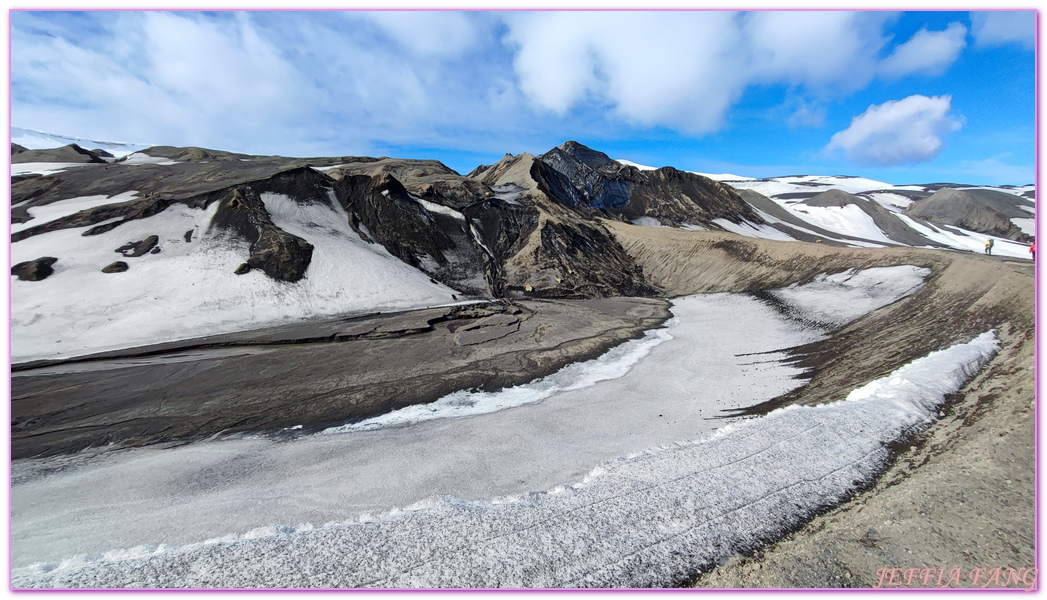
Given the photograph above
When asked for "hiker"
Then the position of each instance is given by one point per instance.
(1032, 250)
(988, 246)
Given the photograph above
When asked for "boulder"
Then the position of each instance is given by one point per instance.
(117, 267)
(34, 270)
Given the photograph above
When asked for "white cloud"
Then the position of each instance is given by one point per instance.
(677, 69)
(996, 28)
(428, 34)
(684, 70)
(929, 52)
(898, 132)
(820, 50)
(181, 78)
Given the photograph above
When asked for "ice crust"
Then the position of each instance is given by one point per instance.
(648, 520)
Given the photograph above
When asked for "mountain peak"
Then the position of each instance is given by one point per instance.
(585, 154)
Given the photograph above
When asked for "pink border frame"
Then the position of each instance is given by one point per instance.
(554, 591)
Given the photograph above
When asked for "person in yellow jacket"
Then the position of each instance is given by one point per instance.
(988, 246)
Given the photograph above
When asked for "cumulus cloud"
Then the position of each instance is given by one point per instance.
(677, 69)
(439, 34)
(820, 50)
(929, 52)
(158, 76)
(898, 132)
(684, 70)
(997, 28)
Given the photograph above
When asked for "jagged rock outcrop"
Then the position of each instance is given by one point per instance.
(426, 235)
(593, 183)
(281, 255)
(34, 270)
(952, 207)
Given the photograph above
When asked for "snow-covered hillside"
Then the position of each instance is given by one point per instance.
(790, 194)
(790, 217)
(189, 288)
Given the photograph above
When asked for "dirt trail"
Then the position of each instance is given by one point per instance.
(960, 495)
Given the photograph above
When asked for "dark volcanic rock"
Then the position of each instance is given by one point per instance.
(242, 269)
(949, 206)
(440, 242)
(589, 262)
(34, 270)
(15, 148)
(116, 267)
(189, 236)
(279, 254)
(126, 211)
(136, 249)
(594, 184)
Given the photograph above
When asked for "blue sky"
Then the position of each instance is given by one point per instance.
(901, 97)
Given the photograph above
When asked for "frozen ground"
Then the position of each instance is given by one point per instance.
(268, 498)
(189, 289)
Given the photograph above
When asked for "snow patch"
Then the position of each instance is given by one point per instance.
(63, 208)
(141, 158)
(646, 221)
(832, 301)
(44, 168)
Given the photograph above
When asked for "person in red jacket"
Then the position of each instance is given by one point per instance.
(1032, 250)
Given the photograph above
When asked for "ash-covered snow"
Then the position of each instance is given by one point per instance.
(746, 228)
(832, 301)
(850, 220)
(190, 289)
(141, 158)
(63, 208)
(45, 168)
(1028, 226)
(962, 239)
(647, 520)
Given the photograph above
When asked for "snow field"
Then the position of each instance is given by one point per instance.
(648, 520)
(189, 289)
